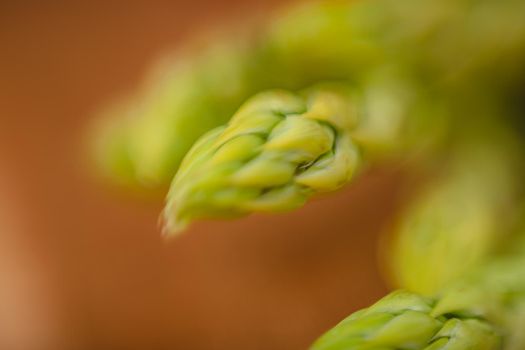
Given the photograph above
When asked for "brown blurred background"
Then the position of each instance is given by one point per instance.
(98, 274)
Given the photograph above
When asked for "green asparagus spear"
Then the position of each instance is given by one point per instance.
(484, 310)
(404, 320)
(281, 148)
(276, 151)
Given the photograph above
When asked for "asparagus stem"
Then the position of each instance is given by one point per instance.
(482, 311)
(277, 150)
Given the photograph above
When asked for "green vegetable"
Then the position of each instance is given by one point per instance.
(404, 320)
(277, 150)
(483, 311)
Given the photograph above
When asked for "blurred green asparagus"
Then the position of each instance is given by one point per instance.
(454, 223)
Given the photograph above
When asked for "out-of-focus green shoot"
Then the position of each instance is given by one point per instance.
(455, 222)
(184, 97)
(481, 311)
